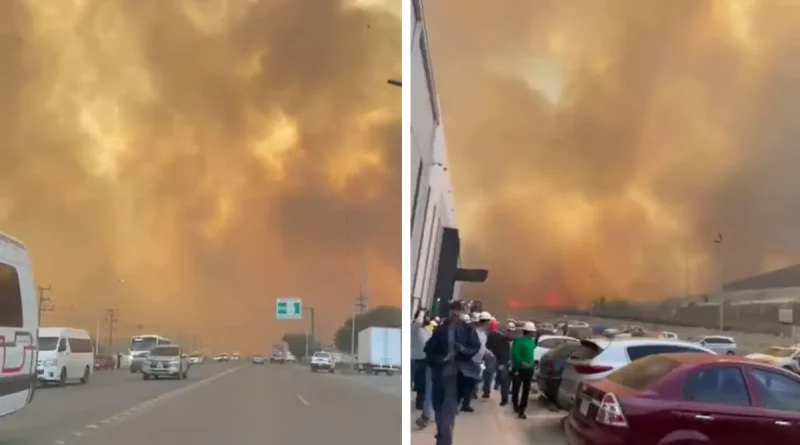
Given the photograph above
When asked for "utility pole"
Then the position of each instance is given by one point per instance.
(45, 304)
(718, 241)
(313, 329)
(113, 318)
(363, 298)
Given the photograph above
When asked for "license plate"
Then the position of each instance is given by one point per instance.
(583, 407)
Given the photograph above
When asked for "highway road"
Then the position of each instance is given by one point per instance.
(219, 403)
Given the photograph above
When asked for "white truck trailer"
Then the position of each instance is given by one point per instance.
(379, 350)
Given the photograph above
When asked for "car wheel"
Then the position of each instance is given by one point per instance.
(186, 374)
(145, 376)
(331, 370)
(62, 378)
(730, 353)
(86, 374)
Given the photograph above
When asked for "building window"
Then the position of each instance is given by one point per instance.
(430, 251)
(421, 241)
(10, 297)
(416, 196)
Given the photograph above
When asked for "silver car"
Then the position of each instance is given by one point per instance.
(596, 358)
(719, 344)
(166, 361)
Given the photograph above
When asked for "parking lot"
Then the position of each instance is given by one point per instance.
(219, 403)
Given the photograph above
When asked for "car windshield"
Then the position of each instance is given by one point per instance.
(322, 355)
(165, 351)
(143, 343)
(780, 352)
(48, 343)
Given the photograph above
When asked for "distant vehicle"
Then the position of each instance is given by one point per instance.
(578, 324)
(291, 358)
(102, 362)
(551, 365)
(19, 322)
(140, 346)
(322, 361)
(786, 358)
(703, 398)
(546, 329)
(166, 361)
(669, 335)
(596, 358)
(278, 352)
(65, 355)
(379, 350)
(719, 344)
(197, 358)
(235, 356)
(222, 358)
(259, 359)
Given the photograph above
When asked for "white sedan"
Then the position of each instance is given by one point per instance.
(546, 343)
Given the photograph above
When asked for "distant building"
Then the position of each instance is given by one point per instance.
(776, 279)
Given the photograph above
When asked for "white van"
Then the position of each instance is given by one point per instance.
(65, 355)
(19, 321)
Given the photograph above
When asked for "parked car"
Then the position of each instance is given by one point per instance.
(548, 342)
(551, 365)
(669, 335)
(704, 398)
(719, 344)
(786, 358)
(105, 362)
(597, 358)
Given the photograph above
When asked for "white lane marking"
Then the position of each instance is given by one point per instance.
(77, 433)
(305, 402)
(137, 409)
(60, 442)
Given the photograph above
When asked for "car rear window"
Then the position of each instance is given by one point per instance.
(586, 351)
(642, 374)
(641, 351)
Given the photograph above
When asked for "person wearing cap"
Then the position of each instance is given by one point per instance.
(522, 350)
(449, 353)
(483, 359)
(489, 360)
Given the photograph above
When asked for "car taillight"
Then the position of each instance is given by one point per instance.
(610, 412)
(591, 369)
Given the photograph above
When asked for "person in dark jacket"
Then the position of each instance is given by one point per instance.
(499, 344)
(449, 353)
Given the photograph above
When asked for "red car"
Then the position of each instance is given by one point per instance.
(688, 399)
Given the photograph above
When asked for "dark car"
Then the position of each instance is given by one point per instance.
(550, 367)
(104, 362)
(691, 398)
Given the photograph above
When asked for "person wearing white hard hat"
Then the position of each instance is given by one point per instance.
(489, 360)
(522, 359)
(481, 322)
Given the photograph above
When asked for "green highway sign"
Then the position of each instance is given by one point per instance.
(289, 309)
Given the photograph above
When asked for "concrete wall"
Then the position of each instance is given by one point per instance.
(431, 192)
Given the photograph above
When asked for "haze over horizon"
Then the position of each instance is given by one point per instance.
(599, 147)
(213, 155)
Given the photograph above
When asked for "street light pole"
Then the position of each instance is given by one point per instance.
(311, 310)
(353, 336)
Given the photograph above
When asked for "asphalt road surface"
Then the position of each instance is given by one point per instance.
(237, 403)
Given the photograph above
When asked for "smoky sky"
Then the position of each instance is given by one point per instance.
(599, 147)
(188, 161)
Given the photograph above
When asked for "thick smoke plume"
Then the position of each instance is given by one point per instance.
(188, 161)
(599, 147)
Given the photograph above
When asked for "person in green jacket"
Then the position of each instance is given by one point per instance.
(522, 351)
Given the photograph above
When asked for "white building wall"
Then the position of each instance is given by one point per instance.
(432, 197)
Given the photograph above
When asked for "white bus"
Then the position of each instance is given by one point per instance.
(19, 323)
(65, 355)
(140, 346)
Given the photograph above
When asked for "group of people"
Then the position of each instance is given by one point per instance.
(466, 354)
